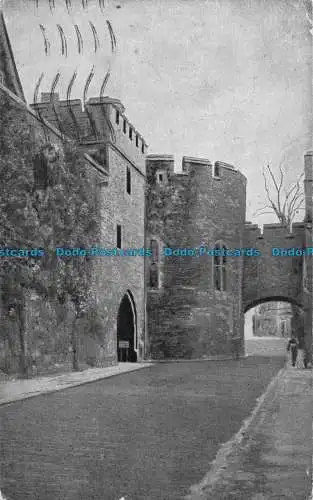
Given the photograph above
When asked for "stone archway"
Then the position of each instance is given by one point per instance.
(296, 315)
(272, 298)
(127, 330)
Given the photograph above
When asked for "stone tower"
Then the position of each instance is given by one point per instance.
(194, 305)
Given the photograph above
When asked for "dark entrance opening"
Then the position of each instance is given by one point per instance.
(126, 332)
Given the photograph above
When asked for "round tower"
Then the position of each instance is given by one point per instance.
(194, 302)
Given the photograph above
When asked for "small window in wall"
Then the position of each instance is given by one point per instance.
(154, 276)
(283, 328)
(124, 126)
(216, 171)
(161, 177)
(119, 236)
(220, 268)
(224, 269)
(154, 245)
(305, 275)
(128, 180)
(217, 274)
(143, 147)
(137, 140)
(117, 116)
(130, 133)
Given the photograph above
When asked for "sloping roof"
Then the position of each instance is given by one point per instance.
(7, 62)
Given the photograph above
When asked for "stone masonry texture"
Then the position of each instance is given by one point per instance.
(105, 141)
(186, 316)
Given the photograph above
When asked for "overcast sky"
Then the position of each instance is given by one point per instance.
(218, 79)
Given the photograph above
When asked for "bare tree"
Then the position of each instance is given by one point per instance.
(284, 202)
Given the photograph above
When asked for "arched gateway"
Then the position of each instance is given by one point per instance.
(269, 277)
(127, 330)
(271, 298)
(280, 271)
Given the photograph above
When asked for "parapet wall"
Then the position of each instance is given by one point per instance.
(275, 231)
(194, 198)
(189, 166)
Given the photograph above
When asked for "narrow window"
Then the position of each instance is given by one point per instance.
(217, 272)
(128, 180)
(1, 78)
(117, 116)
(305, 275)
(124, 126)
(119, 236)
(224, 270)
(154, 276)
(130, 133)
(220, 267)
(161, 177)
(216, 170)
(137, 140)
(155, 250)
(143, 147)
(283, 329)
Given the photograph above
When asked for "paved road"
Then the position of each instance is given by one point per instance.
(147, 435)
(275, 459)
(266, 346)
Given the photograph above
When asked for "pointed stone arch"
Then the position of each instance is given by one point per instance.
(127, 329)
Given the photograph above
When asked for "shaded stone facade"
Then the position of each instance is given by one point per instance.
(190, 315)
(112, 145)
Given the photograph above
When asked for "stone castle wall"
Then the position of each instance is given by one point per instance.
(268, 277)
(48, 324)
(117, 275)
(187, 317)
(48, 337)
(104, 133)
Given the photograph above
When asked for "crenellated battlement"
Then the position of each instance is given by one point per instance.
(252, 230)
(157, 163)
(195, 161)
(99, 120)
(275, 230)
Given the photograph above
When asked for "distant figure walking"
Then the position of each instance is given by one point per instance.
(293, 347)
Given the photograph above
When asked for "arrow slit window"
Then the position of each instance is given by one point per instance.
(154, 275)
(220, 267)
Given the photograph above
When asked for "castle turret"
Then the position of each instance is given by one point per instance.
(193, 298)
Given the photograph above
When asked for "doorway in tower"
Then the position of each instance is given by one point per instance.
(127, 330)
